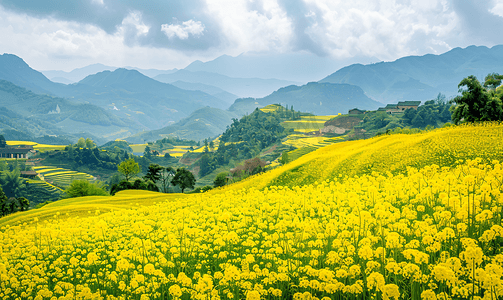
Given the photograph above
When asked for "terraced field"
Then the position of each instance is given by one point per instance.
(306, 144)
(37, 146)
(61, 177)
(307, 124)
(39, 191)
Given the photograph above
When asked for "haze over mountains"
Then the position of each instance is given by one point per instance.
(421, 77)
(201, 100)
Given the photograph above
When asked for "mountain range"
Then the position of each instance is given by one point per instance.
(421, 77)
(199, 102)
(26, 115)
(314, 97)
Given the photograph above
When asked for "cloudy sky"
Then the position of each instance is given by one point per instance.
(165, 34)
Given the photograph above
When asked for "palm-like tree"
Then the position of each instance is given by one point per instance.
(12, 183)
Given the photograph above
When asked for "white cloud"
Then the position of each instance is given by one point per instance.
(245, 29)
(386, 29)
(182, 31)
(134, 20)
(48, 44)
(498, 8)
(100, 2)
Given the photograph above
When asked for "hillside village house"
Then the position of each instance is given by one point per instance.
(400, 106)
(16, 152)
(356, 111)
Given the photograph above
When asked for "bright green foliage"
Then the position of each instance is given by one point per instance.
(81, 188)
(81, 143)
(90, 144)
(493, 80)
(476, 103)
(129, 168)
(220, 179)
(184, 179)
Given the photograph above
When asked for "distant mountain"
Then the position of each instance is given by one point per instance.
(203, 123)
(15, 70)
(145, 103)
(301, 67)
(316, 98)
(243, 87)
(421, 77)
(34, 115)
(78, 74)
(208, 89)
(140, 99)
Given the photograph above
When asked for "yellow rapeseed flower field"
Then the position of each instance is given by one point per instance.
(394, 217)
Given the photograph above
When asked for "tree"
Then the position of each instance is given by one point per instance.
(284, 158)
(90, 143)
(184, 179)
(12, 183)
(81, 143)
(24, 203)
(3, 143)
(82, 188)
(493, 80)
(3, 202)
(165, 178)
(146, 152)
(475, 103)
(220, 179)
(11, 205)
(153, 173)
(129, 168)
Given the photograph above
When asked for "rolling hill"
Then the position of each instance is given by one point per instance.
(206, 122)
(421, 77)
(316, 98)
(144, 103)
(321, 225)
(25, 115)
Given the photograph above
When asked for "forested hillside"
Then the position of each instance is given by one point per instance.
(316, 98)
(34, 115)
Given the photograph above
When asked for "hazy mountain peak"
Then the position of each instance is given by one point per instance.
(421, 77)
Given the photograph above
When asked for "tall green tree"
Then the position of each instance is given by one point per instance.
(90, 144)
(12, 183)
(3, 143)
(147, 153)
(129, 168)
(3, 202)
(165, 178)
(81, 143)
(475, 103)
(153, 173)
(184, 179)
